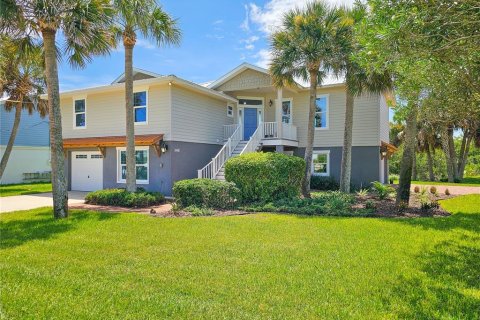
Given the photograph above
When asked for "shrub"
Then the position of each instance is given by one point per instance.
(326, 203)
(370, 204)
(416, 189)
(362, 193)
(206, 193)
(323, 183)
(426, 204)
(122, 198)
(266, 176)
(447, 192)
(199, 212)
(433, 190)
(382, 190)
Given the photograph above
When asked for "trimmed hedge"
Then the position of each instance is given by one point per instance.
(323, 183)
(266, 176)
(206, 193)
(122, 198)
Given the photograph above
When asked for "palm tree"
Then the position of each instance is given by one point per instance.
(22, 81)
(148, 19)
(85, 28)
(357, 80)
(302, 49)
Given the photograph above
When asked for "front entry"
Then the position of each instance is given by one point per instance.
(250, 122)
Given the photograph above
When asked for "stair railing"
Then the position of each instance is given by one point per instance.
(254, 141)
(212, 168)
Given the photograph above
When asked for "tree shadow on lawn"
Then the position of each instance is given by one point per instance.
(42, 226)
(445, 286)
(465, 221)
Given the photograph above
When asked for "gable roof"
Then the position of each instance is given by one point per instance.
(244, 66)
(148, 74)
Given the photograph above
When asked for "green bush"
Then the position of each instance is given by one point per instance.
(206, 193)
(382, 190)
(332, 203)
(199, 212)
(266, 176)
(122, 198)
(323, 183)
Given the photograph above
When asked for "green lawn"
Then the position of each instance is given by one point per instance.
(110, 266)
(7, 190)
(468, 181)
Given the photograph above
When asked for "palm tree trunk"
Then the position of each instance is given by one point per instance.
(446, 152)
(310, 133)
(414, 167)
(346, 166)
(13, 134)
(431, 176)
(403, 192)
(131, 170)
(59, 182)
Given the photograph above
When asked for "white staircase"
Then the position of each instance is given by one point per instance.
(236, 152)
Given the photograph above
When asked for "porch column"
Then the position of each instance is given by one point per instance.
(278, 112)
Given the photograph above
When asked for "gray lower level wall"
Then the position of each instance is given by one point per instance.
(365, 163)
(181, 161)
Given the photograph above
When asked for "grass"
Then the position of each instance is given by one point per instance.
(7, 190)
(130, 266)
(467, 182)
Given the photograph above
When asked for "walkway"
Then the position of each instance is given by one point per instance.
(32, 201)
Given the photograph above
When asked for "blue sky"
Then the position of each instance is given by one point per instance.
(217, 36)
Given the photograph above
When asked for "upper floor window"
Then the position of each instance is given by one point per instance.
(287, 111)
(321, 163)
(140, 106)
(230, 111)
(80, 113)
(321, 112)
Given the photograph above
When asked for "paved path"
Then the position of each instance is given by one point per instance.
(32, 201)
(454, 190)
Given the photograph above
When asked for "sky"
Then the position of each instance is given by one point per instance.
(217, 36)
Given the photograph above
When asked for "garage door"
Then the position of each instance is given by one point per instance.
(87, 171)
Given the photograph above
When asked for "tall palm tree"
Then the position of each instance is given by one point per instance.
(302, 49)
(357, 80)
(85, 26)
(22, 81)
(148, 19)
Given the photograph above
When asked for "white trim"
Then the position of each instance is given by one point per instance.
(291, 109)
(327, 122)
(260, 110)
(75, 127)
(327, 152)
(135, 71)
(118, 168)
(230, 113)
(226, 77)
(142, 123)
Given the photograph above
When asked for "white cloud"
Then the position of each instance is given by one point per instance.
(145, 44)
(249, 42)
(220, 21)
(246, 23)
(215, 36)
(249, 47)
(263, 57)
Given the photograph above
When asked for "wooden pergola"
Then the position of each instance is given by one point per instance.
(387, 150)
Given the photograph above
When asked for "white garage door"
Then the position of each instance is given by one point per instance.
(87, 171)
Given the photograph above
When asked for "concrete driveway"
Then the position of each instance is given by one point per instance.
(32, 201)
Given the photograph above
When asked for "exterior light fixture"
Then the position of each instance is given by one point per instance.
(270, 103)
(163, 146)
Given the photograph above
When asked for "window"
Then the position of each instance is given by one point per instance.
(80, 114)
(230, 111)
(141, 164)
(321, 112)
(250, 102)
(287, 111)
(321, 163)
(81, 156)
(140, 106)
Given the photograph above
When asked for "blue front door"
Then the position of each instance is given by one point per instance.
(249, 122)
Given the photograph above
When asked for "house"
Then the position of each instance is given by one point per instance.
(186, 130)
(30, 156)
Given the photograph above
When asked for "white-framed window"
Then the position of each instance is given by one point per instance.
(321, 163)
(79, 114)
(287, 111)
(140, 110)
(141, 164)
(230, 111)
(321, 112)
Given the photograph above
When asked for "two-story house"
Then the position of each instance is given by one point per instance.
(186, 130)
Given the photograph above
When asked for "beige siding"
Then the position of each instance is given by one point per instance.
(365, 119)
(384, 120)
(197, 118)
(106, 114)
(248, 79)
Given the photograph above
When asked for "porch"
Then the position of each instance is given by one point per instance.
(269, 133)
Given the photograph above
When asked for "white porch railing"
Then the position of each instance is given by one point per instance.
(270, 131)
(211, 170)
(254, 140)
(228, 130)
